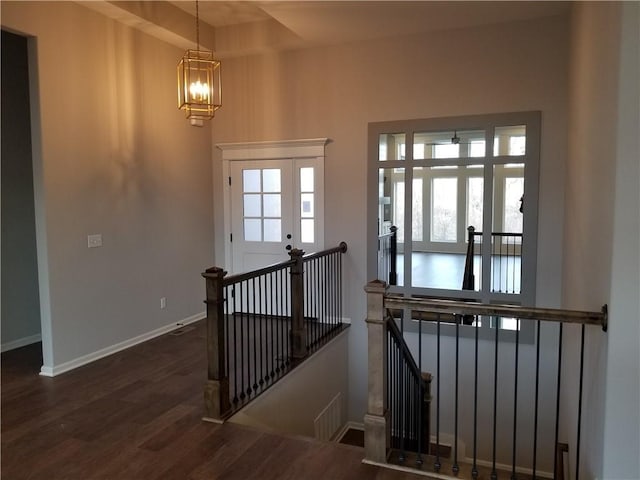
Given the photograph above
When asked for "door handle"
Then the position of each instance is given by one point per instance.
(288, 236)
(288, 247)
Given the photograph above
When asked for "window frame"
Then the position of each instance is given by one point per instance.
(488, 124)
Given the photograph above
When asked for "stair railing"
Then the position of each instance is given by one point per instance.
(479, 403)
(261, 324)
(388, 256)
(408, 397)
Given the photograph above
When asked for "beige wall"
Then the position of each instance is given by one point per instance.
(336, 91)
(293, 403)
(112, 155)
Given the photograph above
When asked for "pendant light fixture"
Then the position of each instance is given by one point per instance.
(199, 89)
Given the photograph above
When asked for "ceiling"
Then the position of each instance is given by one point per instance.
(327, 22)
(236, 28)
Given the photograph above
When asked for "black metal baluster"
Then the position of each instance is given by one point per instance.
(401, 415)
(515, 403)
(494, 474)
(420, 400)
(455, 467)
(555, 443)
(272, 289)
(535, 408)
(340, 287)
(235, 348)
(261, 309)
(437, 465)
(580, 402)
(474, 468)
(287, 292)
(241, 346)
(513, 267)
(255, 350)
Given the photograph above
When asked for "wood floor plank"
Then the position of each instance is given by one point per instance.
(137, 415)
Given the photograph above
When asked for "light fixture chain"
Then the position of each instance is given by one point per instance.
(197, 28)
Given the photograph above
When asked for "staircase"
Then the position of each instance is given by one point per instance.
(495, 400)
(262, 324)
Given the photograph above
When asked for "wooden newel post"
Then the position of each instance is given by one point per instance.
(298, 328)
(216, 390)
(376, 424)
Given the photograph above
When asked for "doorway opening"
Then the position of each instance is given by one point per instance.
(274, 201)
(21, 318)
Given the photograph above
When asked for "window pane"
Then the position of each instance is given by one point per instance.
(251, 180)
(272, 230)
(510, 140)
(306, 205)
(398, 209)
(517, 145)
(444, 209)
(307, 233)
(252, 206)
(271, 180)
(306, 179)
(474, 202)
(387, 196)
(391, 146)
(417, 206)
(448, 144)
(513, 191)
(476, 148)
(252, 232)
(272, 205)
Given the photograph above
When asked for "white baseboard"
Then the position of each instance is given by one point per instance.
(506, 467)
(21, 342)
(47, 371)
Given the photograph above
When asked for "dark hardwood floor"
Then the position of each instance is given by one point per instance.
(137, 415)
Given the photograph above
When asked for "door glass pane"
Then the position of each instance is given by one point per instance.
(510, 140)
(306, 206)
(307, 233)
(391, 146)
(272, 207)
(444, 206)
(252, 230)
(272, 230)
(252, 206)
(271, 180)
(306, 179)
(251, 181)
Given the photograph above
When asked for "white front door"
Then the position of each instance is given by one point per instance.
(273, 209)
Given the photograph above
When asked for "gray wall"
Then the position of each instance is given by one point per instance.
(602, 232)
(336, 91)
(20, 296)
(112, 155)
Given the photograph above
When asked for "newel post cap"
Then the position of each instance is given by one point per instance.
(376, 286)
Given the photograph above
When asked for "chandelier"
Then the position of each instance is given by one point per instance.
(199, 89)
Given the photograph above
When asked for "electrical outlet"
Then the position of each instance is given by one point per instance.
(163, 302)
(94, 241)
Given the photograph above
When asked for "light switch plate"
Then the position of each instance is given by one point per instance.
(94, 241)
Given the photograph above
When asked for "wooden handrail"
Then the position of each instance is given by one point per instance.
(342, 248)
(239, 277)
(512, 311)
